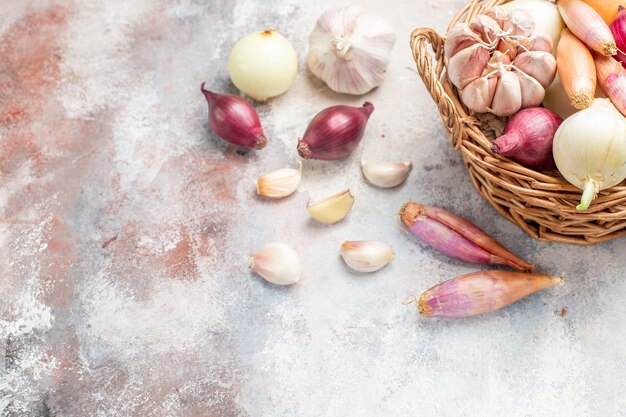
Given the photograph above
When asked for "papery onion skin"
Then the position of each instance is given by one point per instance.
(527, 138)
(457, 237)
(618, 29)
(233, 119)
(612, 80)
(481, 292)
(584, 22)
(335, 132)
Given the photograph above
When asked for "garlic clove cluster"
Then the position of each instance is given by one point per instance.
(349, 49)
(277, 263)
(332, 209)
(279, 183)
(498, 63)
(386, 174)
(366, 256)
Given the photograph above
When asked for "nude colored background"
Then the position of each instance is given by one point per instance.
(126, 229)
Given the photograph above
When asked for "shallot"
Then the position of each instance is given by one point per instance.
(481, 292)
(233, 119)
(335, 132)
(612, 80)
(587, 25)
(456, 237)
(527, 138)
(618, 29)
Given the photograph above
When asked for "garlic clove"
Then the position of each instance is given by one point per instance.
(279, 183)
(540, 65)
(519, 23)
(467, 65)
(277, 263)
(488, 28)
(366, 256)
(532, 92)
(386, 174)
(332, 209)
(461, 36)
(498, 14)
(541, 42)
(507, 98)
(478, 95)
(350, 49)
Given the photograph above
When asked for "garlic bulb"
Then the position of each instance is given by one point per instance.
(386, 174)
(498, 64)
(279, 183)
(349, 49)
(332, 209)
(590, 149)
(277, 263)
(366, 256)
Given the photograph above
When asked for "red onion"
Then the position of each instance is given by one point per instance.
(528, 136)
(233, 119)
(334, 132)
(618, 29)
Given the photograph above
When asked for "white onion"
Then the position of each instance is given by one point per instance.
(263, 64)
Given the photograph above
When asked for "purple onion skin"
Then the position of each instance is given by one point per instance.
(334, 132)
(448, 241)
(618, 29)
(233, 119)
(457, 237)
(527, 138)
(481, 292)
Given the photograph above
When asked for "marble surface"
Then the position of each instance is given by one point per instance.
(126, 228)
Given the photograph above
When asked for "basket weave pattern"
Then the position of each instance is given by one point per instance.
(543, 205)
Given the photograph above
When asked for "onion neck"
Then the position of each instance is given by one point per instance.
(590, 190)
(506, 143)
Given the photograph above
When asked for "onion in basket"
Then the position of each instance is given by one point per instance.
(498, 63)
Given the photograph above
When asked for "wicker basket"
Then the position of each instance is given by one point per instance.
(543, 205)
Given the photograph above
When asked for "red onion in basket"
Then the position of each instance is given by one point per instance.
(527, 138)
(334, 132)
(618, 29)
(233, 119)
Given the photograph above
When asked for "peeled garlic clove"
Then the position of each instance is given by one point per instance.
(540, 65)
(386, 174)
(277, 263)
(349, 49)
(459, 37)
(279, 183)
(532, 92)
(467, 65)
(478, 94)
(366, 256)
(332, 209)
(507, 98)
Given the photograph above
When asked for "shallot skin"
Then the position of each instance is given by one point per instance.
(233, 119)
(334, 132)
(481, 292)
(457, 237)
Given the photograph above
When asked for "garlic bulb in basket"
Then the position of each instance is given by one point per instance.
(349, 49)
(498, 63)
